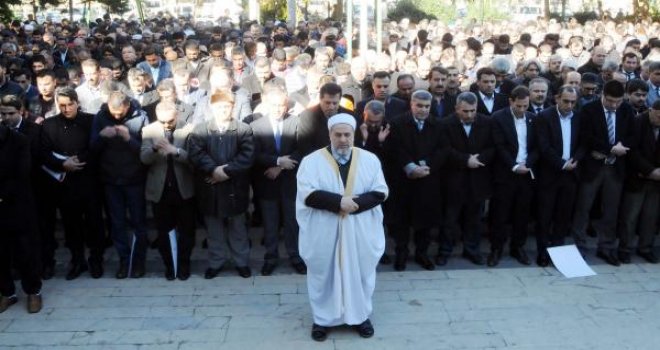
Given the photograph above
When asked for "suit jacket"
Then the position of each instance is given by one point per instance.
(413, 199)
(448, 107)
(313, 130)
(164, 72)
(185, 111)
(157, 163)
(16, 205)
(644, 156)
(393, 108)
(33, 133)
(462, 182)
(501, 101)
(505, 138)
(266, 155)
(531, 109)
(201, 72)
(550, 145)
(594, 137)
(64, 63)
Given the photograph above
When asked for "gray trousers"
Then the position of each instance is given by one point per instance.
(639, 209)
(610, 187)
(270, 213)
(227, 236)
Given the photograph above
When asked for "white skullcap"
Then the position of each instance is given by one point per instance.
(341, 118)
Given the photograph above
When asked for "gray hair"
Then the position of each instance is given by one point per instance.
(165, 106)
(570, 64)
(539, 81)
(467, 97)
(501, 65)
(530, 62)
(118, 99)
(375, 107)
(135, 73)
(610, 65)
(421, 95)
(567, 88)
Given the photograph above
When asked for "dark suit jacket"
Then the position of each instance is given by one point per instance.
(462, 182)
(313, 130)
(501, 101)
(266, 155)
(448, 107)
(505, 138)
(393, 108)
(531, 109)
(16, 206)
(33, 133)
(413, 201)
(644, 155)
(594, 136)
(550, 145)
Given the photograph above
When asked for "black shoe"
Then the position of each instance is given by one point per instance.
(494, 257)
(76, 270)
(138, 270)
(48, 272)
(365, 329)
(300, 267)
(609, 258)
(154, 244)
(6, 302)
(169, 274)
(624, 257)
(95, 268)
(319, 333)
(400, 261)
(543, 260)
(244, 271)
(184, 272)
(268, 269)
(520, 255)
(441, 260)
(385, 259)
(212, 273)
(205, 244)
(649, 257)
(423, 261)
(122, 272)
(476, 259)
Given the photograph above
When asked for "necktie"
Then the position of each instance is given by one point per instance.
(538, 110)
(610, 127)
(420, 125)
(278, 137)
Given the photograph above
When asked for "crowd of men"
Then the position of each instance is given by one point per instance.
(478, 133)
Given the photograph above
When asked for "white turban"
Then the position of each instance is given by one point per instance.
(341, 118)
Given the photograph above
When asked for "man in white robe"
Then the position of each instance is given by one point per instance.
(340, 189)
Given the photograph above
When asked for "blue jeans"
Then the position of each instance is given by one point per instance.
(119, 199)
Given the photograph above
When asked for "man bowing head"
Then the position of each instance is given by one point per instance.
(340, 189)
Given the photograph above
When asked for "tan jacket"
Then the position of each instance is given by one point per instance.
(157, 163)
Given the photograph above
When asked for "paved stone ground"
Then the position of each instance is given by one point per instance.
(456, 307)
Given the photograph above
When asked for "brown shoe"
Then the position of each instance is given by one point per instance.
(6, 302)
(34, 303)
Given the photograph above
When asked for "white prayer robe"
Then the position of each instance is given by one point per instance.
(341, 253)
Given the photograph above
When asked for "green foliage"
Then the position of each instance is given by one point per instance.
(584, 16)
(6, 13)
(115, 6)
(416, 10)
(273, 9)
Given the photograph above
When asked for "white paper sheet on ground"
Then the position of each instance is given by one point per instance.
(174, 248)
(568, 260)
(130, 258)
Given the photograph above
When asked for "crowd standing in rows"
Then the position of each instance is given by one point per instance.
(478, 127)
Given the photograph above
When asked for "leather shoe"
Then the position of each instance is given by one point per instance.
(385, 259)
(476, 259)
(169, 274)
(543, 260)
(34, 303)
(6, 302)
(95, 268)
(624, 257)
(48, 272)
(441, 260)
(319, 333)
(494, 257)
(520, 255)
(365, 329)
(76, 270)
(609, 258)
(184, 272)
(649, 257)
(268, 269)
(244, 271)
(212, 273)
(400, 261)
(138, 270)
(424, 261)
(122, 272)
(300, 267)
